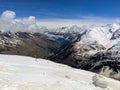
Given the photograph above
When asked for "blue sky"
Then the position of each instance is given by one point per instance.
(56, 13)
(63, 9)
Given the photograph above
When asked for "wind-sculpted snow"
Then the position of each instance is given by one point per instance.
(26, 73)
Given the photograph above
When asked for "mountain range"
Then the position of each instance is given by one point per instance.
(93, 48)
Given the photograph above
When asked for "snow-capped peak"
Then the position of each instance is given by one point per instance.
(101, 34)
(116, 25)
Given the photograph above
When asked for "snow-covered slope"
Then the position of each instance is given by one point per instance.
(102, 34)
(96, 48)
(26, 73)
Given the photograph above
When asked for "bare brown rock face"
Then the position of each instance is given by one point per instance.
(22, 43)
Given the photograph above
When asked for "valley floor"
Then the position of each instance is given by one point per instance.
(26, 73)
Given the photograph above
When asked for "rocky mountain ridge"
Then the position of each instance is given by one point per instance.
(95, 50)
(91, 48)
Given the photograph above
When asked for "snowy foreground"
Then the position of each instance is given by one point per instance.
(26, 73)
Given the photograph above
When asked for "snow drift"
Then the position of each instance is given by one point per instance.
(26, 73)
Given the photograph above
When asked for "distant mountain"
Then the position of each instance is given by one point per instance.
(24, 43)
(93, 48)
(36, 44)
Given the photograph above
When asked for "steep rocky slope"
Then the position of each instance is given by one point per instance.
(23, 43)
(96, 49)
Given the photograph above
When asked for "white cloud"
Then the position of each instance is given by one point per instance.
(8, 14)
(9, 22)
(85, 20)
(29, 20)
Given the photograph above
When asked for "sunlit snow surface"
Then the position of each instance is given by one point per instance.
(26, 73)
